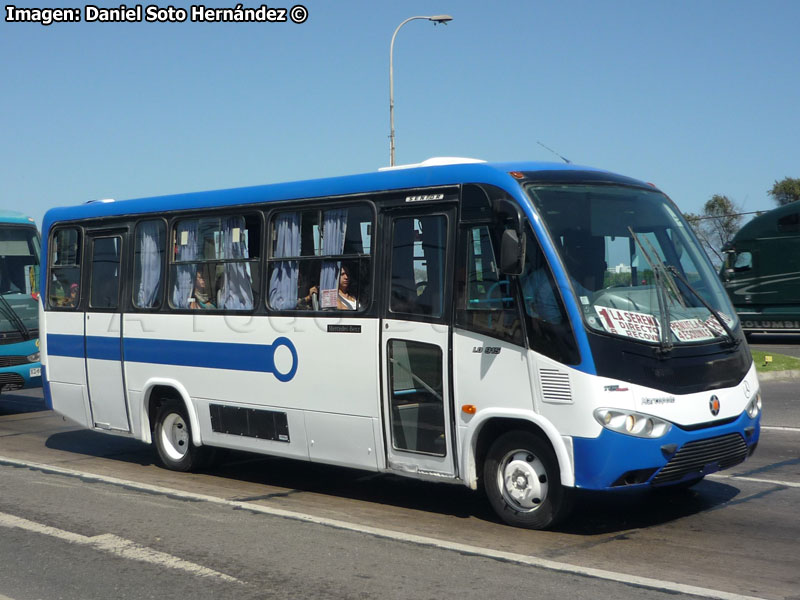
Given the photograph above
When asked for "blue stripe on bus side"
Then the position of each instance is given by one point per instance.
(210, 355)
(60, 344)
(103, 348)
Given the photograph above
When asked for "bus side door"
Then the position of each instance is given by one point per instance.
(415, 341)
(103, 324)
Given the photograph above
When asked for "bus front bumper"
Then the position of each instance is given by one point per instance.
(615, 461)
(28, 375)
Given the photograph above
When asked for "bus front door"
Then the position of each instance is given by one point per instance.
(103, 324)
(415, 338)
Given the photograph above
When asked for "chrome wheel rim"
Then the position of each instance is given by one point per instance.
(522, 479)
(175, 437)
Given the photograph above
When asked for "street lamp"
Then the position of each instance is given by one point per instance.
(436, 19)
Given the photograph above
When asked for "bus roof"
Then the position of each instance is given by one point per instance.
(379, 181)
(12, 216)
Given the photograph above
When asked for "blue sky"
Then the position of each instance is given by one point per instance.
(700, 97)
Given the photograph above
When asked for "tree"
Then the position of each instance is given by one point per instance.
(785, 191)
(716, 226)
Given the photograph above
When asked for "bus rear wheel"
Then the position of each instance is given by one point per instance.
(173, 438)
(522, 481)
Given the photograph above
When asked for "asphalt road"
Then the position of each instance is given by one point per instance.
(88, 515)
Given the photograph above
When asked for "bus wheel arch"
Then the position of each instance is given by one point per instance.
(521, 474)
(155, 395)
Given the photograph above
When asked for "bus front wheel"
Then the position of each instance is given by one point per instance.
(522, 482)
(173, 438)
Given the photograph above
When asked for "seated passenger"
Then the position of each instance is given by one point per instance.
(310, 301)
(71, 299)
(345, 294)
(345, 299)
(201, 297)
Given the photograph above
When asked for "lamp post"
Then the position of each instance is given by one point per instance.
(435, 19)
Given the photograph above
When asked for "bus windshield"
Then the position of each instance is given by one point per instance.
(636, 269)
(19, 281)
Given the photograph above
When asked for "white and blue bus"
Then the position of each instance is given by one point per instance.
(19, 297)
(528, 328)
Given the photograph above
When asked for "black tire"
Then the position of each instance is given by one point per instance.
(537, 500)
(173, 438)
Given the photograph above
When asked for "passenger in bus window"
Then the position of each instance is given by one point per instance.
(201, 297)
(71, 299)
(310, 301)
(346, 293)
(346, 299)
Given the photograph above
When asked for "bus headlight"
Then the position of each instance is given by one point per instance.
(754, 406)
(34, 357)
(632, 423)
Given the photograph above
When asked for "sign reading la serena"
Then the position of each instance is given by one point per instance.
(636, 325)
(642, 326)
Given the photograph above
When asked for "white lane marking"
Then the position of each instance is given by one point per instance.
(755, 480)
(647, 582)
(4, 597)
(778, 428)
(114, 545)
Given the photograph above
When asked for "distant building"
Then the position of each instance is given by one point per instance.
(620, 268)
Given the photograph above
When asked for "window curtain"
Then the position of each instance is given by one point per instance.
(186, 231)
(150, 248)
(334, 228)
(283, 280)
(237, 288)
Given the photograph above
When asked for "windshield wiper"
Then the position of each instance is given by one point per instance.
(13, 318)
(728, 331)
(662, 280)
(679, 294)
(661, 269)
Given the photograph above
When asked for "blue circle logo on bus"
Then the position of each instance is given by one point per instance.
(713, 405)
(288, 375)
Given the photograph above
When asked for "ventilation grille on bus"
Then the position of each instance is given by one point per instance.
(249, 422)
(12, 361)
(718, 453)
(555, 386)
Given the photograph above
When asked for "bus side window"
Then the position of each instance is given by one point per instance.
(148, 263)
(549, 329)
(487, 300)
(65, 269)
(418, 264)
(105, 275)
(215, 263)
(320, 259)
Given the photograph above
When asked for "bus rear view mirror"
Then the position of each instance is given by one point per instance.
(512, 253)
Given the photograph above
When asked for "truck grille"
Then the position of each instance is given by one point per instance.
(720, 453)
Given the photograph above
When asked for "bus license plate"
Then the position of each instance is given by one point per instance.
(36, 372)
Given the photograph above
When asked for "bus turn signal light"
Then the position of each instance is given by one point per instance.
(470, 409)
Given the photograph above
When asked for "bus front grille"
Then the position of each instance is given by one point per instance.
(11, 381)
(12, 361)
(704, 456)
